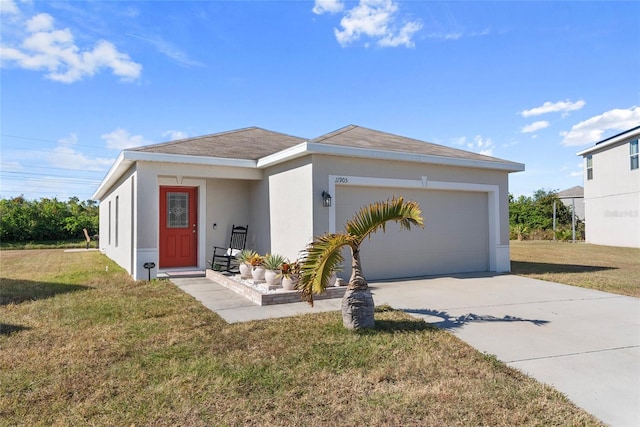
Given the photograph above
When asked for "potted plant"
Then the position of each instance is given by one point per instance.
(273, 265)
(290, 272)
(244, 258)
(257, 267)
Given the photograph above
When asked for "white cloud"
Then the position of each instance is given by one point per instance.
(9, 7)
(483, 145)
(55, 52)
(121, 139)
(168, 49)
(403, 37)
(456, 35)
(331, 6)
(376, 19)
(41, 22)
(64, 156)
(174, 135)
(445, 36)
(535, 126)
(478, 144)
(592, 130)
(554, 107)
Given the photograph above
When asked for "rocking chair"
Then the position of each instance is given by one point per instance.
(225, 256)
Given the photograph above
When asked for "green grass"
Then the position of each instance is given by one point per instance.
(80, 345)
(46, 244)
(604, 268)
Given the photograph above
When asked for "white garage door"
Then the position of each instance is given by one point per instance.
(455, 238)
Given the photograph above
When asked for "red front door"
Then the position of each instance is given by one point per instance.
(178, 227)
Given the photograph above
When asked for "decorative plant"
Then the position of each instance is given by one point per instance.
(244, 257)
(273, 261)
(324, 256)
(290, 269)
(256, 260)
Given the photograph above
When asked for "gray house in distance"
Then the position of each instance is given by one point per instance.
(170, 203)
(573, 198)
(612, 190)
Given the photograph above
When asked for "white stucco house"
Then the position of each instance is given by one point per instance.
(612, 190)
(159, 203)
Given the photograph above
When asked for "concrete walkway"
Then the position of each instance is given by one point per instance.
(584, 343)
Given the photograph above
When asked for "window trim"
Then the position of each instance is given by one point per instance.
(633, 154)
(589, 167)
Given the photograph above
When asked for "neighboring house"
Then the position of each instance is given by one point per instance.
(170, 203)
(612, 190)
(573, 198)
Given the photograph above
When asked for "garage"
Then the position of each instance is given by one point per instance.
(455, 238)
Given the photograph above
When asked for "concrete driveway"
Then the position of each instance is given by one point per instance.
(584, 343)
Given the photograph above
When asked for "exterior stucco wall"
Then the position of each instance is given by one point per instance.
(227, 204)
(116, 228)
(260, 217)
(291, 207)
(324, 166)
(223, 198)
(612, 198)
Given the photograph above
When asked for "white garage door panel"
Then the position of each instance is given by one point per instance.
(455, 238)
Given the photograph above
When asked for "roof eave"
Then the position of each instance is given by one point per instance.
(119, 167)
(128, 158)
(606, 143)
(319, 148)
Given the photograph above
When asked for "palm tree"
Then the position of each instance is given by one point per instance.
(324, 255)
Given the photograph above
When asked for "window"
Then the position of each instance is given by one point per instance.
(633, 152)
(178, 215)
(117, 203)
(589, 167)
(109, 233)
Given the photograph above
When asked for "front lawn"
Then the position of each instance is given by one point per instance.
(83, 344)
(605, 268)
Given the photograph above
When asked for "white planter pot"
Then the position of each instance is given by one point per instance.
(289, 283)
(332, 279)
(245, 270)
(272, 277)
(258, 272)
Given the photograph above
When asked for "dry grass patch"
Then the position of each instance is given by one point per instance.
(118, 352)
(604, 268)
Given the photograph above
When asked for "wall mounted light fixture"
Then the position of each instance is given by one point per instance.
(326, 199)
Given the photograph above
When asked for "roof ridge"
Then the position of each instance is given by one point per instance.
(334, 133)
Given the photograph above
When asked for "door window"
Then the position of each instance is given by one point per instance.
(178, 205)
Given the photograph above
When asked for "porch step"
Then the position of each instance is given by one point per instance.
(190, 273)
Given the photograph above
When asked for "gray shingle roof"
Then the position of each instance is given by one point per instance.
(249, 143)
(570, 193)
(356, 136)
(253, 143)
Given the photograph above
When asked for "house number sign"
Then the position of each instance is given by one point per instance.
(341, 180)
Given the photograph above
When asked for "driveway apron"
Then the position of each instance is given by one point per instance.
(584, 343)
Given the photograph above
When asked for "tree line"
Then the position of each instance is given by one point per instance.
(46, 219)
(532, 217)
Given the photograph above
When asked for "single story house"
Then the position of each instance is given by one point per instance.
(612, 190)
(170, 203)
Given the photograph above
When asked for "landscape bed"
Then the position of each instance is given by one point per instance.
(259, 297)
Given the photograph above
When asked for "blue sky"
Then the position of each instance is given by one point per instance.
(532, 82)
